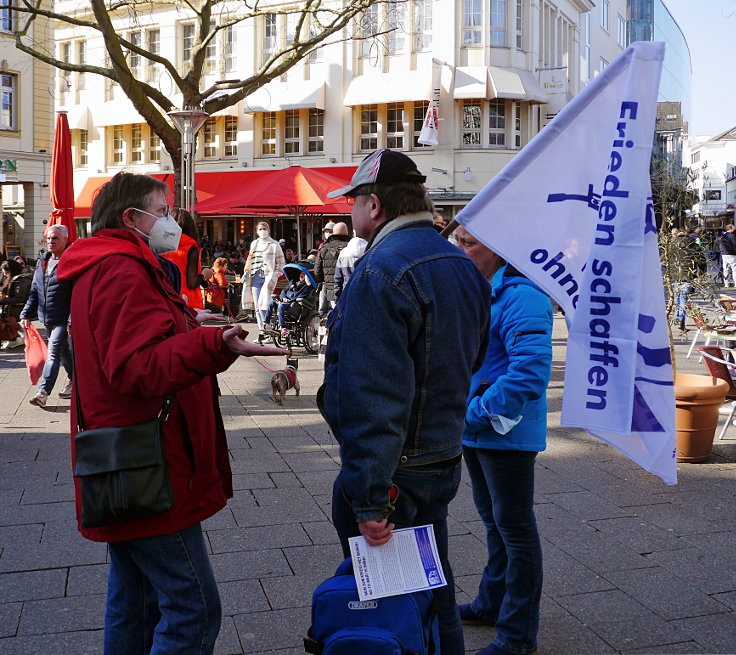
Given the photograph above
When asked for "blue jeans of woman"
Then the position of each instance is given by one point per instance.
(511, 585)
(424, 494)
(256, 284)
(682, 291)
(162, 596)
(59, 355)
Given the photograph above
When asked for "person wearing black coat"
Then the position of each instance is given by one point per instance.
(16, 287)
(324, 267)
(52, 298)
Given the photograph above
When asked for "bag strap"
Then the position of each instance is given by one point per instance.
(162, 415)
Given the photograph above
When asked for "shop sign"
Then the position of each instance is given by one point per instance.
(8, 166)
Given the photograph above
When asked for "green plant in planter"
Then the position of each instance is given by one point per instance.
(684, 261)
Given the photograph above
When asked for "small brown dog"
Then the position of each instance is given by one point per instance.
(284, 380)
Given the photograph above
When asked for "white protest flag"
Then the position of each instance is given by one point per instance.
(572, 211)
(428, 134)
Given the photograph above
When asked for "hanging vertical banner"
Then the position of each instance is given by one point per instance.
(572, 211)
(428, 134)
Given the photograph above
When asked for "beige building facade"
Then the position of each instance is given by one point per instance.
(26, 140)
(505, 68)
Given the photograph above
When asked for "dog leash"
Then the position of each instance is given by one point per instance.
(263, 365)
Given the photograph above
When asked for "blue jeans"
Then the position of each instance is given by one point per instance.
(59, 355)
(511, 585)
(162, 596)
(256, 284)
(682, 291)
(424, 494)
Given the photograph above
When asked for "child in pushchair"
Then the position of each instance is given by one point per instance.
(297, 320)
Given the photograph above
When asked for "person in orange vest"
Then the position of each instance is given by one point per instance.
(187, 258)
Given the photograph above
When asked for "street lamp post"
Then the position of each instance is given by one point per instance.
(188, 122)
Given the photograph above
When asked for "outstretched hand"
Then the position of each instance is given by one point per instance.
(234, 338)
(203, 315)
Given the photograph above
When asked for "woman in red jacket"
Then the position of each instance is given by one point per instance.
(137, 342)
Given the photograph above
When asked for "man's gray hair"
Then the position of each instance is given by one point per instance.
(62, 229)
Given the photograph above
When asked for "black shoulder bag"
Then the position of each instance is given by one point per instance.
(122, 470)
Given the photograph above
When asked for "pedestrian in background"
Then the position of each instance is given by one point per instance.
(16, 287)
(346, 261)
(262, 270)
(51, 297)
(397, 368)
(727, 247)
(505, 428)
(138, 343)
(324, 267)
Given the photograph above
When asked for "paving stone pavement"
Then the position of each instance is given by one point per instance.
(631, 565)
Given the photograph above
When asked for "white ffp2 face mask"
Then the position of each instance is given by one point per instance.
(164, 235)
(263, 234)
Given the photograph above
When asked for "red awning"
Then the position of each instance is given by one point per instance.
(207, 184)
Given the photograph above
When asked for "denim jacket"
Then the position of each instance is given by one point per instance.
(407, 333)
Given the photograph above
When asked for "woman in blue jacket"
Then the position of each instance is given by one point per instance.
(505, 428)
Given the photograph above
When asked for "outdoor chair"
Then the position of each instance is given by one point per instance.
(721, 332)
(718, 367)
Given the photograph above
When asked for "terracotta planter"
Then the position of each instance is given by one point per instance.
(698, 399)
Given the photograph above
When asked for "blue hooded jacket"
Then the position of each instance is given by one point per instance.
(513, 379)
(50, 296)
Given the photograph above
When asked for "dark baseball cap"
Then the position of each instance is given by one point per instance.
(382, 167)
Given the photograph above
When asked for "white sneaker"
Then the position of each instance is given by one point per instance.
(4, 345)
(39, 399)
(18, 341)
(66, 391)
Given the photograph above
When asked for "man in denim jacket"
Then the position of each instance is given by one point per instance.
(405, 337)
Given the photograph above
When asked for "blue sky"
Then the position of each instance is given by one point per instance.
(710, 29)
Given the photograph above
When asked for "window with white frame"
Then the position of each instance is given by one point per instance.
(230, 49)
(134, 61)
(585, 50)
(82, 61)
(82, 148)
(621, 31)
(396, 24)
(422, 25)
(369, 127)
(420, 111)
(268, 133)
(231, 136)
(136, 143)
(604, 14)
(472, 21)
(65, 77)
(292, 141)
(8, 102)
(270, 36)
(118, 145)
(7, 18)
(154, 147)
(494, 124)
(395, 126)
(210, 56)
(519, 24)
(603, 64)
(498, 23)
(153, 43)
(209, 138)
(497, 123)
(368, 27)
(316, 127)
(291, 24)
(187, 43)
(471, 124)
(315, 30)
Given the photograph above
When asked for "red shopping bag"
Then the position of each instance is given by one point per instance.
(36, 354)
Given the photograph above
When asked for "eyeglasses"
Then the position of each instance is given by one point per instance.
(159, 212)
(350, 200)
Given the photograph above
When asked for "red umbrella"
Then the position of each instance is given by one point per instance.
(295, 189)
(62, 181)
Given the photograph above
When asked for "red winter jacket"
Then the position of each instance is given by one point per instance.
(134, 342)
